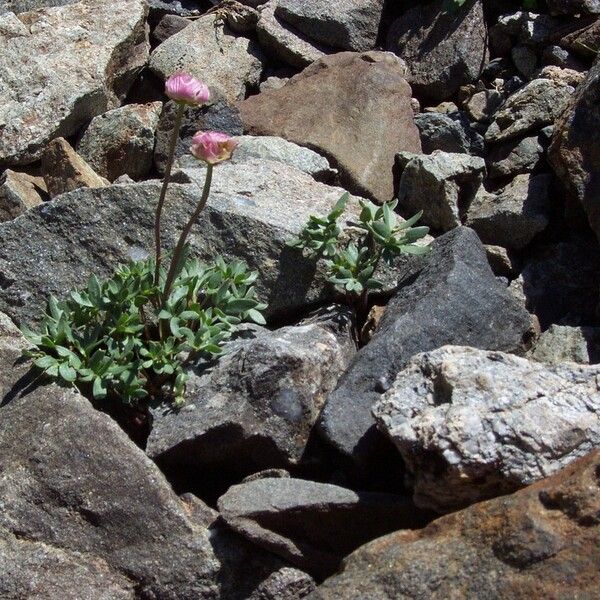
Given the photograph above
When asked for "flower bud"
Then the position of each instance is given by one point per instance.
(185, 89)
(212, 146)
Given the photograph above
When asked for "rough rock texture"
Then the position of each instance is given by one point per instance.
(62, 66)
(207, 49)
(18, 193)
(255, 407)
(20, 6)
(442, 50)
(472, 424)
(561, 343)
(516, 156)
(455, 300)
(442, 132)
(64, 170)
(513, 216)
(441, 184)
(285, 584)
(571, 7)
(313, 525)
(575, 149)
(501, 261)
(13, 367)
(345, 24)
(121, 141)
(482, 105)
(169, 25)
(534, 106)
(542, 542)
(359, 115)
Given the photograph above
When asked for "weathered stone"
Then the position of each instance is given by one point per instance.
(20, 6)
(18, 193)
(121, 141)
(443, 50)
(293, 517)
(180, 8)
(273, 83)
(255, 408)
(207, 49)
(502, 263)
(584, 42)
(516, 157)
(561, 57)
(168, 26)
(565, 76)
(455, 300)
(525, 59)
(483, 105)
(345, 24)
(64, 170)
(561, 343)
(541, 542)
(538, 104)
(355, 97)
(528, 28)
(472, 424)
(13, 368)
(513, 216)
(441, 132)
(285, 584)
(572, 7)
(59, 67)
(441, 184)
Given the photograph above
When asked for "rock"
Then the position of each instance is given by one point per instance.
(64, 170)
(455, 300)
(441, 132)
(230, 65)
(472, 424)
(572, 7)
(502, 263)
(516, 157)
(567, 76)
(561, 343)
(527, 28)
(180, 8)
(62, 66)
(283, 42)
(575, 150)
(168, 26)
(346, 24)
(273, 83)
(513, 216)
(121, 141)
(443, 108)
(583, 42)
(443, 50)
(562, 58)
(241, 18)
(442, 185)
(285, 584)
(13, 367)
(20, 6)
(541, 542)
(525, 59)
(293, 517)
(538, 104)
(355, 97)
(18, 193)
(217, 116)
(254, 209)
(255, 408)
(483, 105)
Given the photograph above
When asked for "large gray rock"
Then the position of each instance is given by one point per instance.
(20, 6)
(345, 24)
(313, 525)
(13, 367)
(442, 132)
(517, 156)
(455, 300)
(255, 408)
(471, 424)
(207, 49)
(443, 49)
(441, 184)
(62, 66)
(562, 343)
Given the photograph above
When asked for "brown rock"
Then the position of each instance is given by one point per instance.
(541, 542)
(64, 170)
(18, 193)
(354, 107)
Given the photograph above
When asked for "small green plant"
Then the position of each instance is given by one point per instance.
(352, 262)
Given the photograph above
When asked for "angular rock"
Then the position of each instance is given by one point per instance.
(561, 343)
(64, 170)
(528, 28)
(313, 525)
(443, 50)
(285, 584)
(472, 424)
(208, 50)
(20, 6)
(516, 157)
(515, 215)
(525, 59)
(18, 193)
(534, 106)
(62, 66)
(441, 184)
(441, 132)
(541, 542)
(168, 26)
(455, 300)
(483, 105)
(346, 24)
(355, 97)
(255, 408)
(584, 42)
(502, 263)
(573, 7)
(121, 141)
(13, 368)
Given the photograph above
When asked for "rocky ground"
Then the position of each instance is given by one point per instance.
(454, 455)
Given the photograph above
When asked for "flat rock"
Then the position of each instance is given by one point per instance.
(355, 97)
(540, 542)
(562, 343)
(454, 300)
(18, 193)
(62, 66)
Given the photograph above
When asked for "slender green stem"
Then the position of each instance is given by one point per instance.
(163, 191)
(186, 231)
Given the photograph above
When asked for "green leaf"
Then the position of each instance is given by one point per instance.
(256, 316)
(44, 362)
(67, 372)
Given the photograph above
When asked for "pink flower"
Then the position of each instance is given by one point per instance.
(185, 89)
(212, 146)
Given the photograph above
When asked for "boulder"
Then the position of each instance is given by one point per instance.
(562, 343)
(359, 115)
(121, 141)
(62, 66)
(516, 156)
(169, 25)
(442, 132)
(21, 6)
(14, 368)
(482, 105)
(454, 300)
(541, 542)
(443, 49)
(18, 193)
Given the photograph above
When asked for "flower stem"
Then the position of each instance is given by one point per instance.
(163, 191)
(186, 231)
